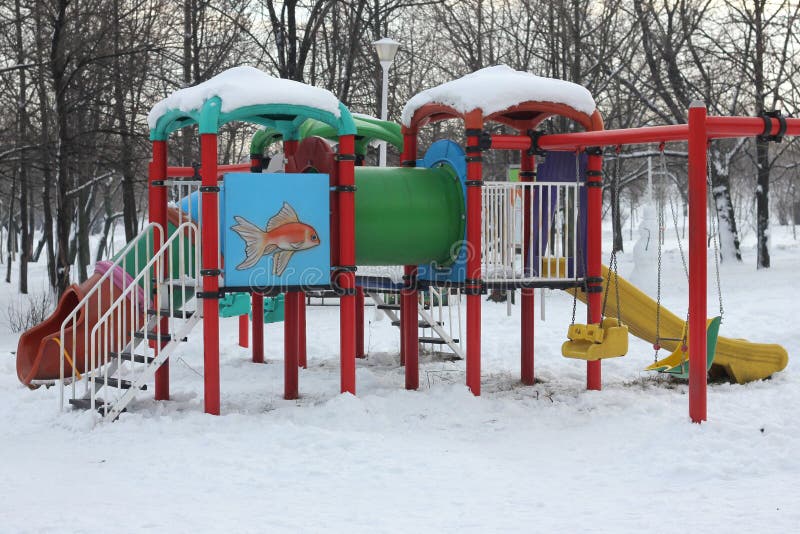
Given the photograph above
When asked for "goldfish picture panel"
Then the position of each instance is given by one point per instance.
(277, 230)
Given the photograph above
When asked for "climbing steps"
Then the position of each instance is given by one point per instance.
(138, 330)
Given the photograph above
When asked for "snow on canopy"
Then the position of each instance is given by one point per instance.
(245, 86)
(494, 89)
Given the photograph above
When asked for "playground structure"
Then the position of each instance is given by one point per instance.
(434, 215)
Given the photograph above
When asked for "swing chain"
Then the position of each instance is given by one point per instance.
(715, 235)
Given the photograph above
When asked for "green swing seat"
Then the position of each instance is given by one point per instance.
(677, 363)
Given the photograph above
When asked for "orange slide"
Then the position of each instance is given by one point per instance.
(39, 350)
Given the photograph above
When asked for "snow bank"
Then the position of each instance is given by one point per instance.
(245, 86)
(496, 88)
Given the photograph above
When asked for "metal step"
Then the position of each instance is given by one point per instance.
(86, 404)
(421, 324)
(434, 341)
(153, 336)
(117, 383)
(136, 358)
(176, 314)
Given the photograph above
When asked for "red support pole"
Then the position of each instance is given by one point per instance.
(257, 299)
(360, 353)
(302, 359)
(527, 173)
(409, 340)
(698, 143)
(244, 331)
(293, 326)
(472, 285)
(594, 251)
(257, 308)
(210, 264)
(157, 201)
(409, 327)
(290, 347)
(346, 276)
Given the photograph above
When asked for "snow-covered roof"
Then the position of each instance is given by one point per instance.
(497, 88)
(245, 86)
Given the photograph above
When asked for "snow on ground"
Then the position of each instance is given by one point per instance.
(552, 456)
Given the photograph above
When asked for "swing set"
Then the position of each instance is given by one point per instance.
(609, 337)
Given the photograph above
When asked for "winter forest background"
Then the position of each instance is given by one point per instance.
(77, 78)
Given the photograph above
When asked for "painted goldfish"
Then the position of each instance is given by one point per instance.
(284, 236)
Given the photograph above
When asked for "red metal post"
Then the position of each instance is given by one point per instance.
(347, 258)
(594, 251)
(409, 326)
(698, 142)
(472, 285)
(244, 331)
(257, 308)
(302, 359)
(527, 174)
(210, 264)
(293, 335)
(408, 158)
(257, 299)
(157, 201)
(360, 323)
(290, 348)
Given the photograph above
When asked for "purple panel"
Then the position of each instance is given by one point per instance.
(559, 167)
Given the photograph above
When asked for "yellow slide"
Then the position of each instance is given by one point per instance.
(739, 359)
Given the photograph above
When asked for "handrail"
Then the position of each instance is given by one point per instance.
(153, 265)
(85, 301)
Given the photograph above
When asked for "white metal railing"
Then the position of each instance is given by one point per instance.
(552, 211)
(152, 236)
(135, 319)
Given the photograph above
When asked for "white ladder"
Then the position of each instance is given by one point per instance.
(116, 370)
(432, 318)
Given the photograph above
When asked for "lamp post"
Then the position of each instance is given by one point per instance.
(387, 50)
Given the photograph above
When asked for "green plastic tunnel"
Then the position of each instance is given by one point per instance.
(408, 215)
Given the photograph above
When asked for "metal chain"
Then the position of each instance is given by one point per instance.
(577, 236)
(661, 227)
(715, 236)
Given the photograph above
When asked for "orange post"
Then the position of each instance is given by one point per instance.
(527, 174)
(158, 214)
(346, 275)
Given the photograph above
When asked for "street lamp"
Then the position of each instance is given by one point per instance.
(387, 50)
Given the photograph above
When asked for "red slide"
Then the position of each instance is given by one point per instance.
(38, 351)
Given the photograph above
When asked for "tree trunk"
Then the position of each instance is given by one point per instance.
(22, 137)
(762, 205)
(64, 205)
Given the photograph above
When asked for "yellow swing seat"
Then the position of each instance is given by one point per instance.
(608, 339)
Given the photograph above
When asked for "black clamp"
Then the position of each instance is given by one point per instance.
(408, 163)
(594, 150)
(767, 118)
(593, 289)
(344, 268)
(594, 183)
(210, 272)
(157, 183)
(527, 174)
(474, 183)
(473, 159)
(209, 189)
(474, 286)
(218, 294)
(473, 132)
(534, 149)
(594, 280)
(594, 173)
(344, 157)
(196, 173)
(344, 188)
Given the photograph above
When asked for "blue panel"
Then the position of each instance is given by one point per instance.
(446, 152)
(295, 251)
